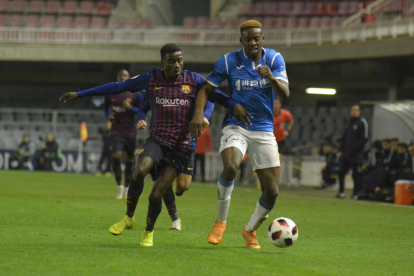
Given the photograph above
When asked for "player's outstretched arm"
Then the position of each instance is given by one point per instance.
(67, 97)
(196, 124)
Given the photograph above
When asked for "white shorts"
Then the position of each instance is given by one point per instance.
(263, 150)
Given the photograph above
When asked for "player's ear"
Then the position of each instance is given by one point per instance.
(241, 40)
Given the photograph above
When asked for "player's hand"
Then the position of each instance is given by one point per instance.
(68, 97)
(196, 126)
(141, 124)
(242, 115)
(206, 123)
(264, 71)
(286, 133)
(126, 105)
(111, 118)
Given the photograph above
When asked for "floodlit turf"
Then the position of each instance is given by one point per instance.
(57, 224)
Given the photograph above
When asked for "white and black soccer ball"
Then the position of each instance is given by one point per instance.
(283, 232)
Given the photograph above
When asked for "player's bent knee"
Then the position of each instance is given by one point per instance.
(155, 196)
(230, 171)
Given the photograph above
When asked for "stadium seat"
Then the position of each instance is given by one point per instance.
(82, 22)
(330, 9)
(65, 21)
(271, 9)
(320, 9)
(188, 22)
(3, 20)
(230, 24)
(201, 22)
(303, 22)
(52, 7)
(326, 22)
(35, 7)
(310, 8)
(315, 22)
(49, 21)
(70, 7)
(280, 23)
(268, 23)
(284, 8)
(343, 8)
(258, 9)
(130, 23)
(32, 21)
(298, 8)
(246, 9)
(291, 23)
(144, 23)
(3, 6)
(17, 6)
(114, 23)
(215, 23)
(104, 9)
(86, 8)
(353, 7)
(97, 22)
(16, 20)
(337, 21)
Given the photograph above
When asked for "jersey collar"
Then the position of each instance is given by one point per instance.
(260, 63)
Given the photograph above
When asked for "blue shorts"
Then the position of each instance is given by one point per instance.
(119, 143)
(165, 155)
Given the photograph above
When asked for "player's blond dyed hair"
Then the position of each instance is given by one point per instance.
(250, 24)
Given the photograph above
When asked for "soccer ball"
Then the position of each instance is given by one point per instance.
(283, 232)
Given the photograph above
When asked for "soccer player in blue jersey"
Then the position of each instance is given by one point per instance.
(170, 94)
(254, 75)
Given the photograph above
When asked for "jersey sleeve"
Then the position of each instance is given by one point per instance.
(278, 67)
(208, 110)
(289, 116)
(220, 72)
(107, 107)
(145, 107)
(135, 84)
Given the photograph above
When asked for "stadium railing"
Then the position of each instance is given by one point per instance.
(374, 31)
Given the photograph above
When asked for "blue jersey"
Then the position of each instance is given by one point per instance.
(253, 92)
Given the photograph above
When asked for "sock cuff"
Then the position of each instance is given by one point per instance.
(225, 183)
(266, 205)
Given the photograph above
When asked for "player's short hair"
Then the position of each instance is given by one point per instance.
(250, 24)
(169, 48)
(385, 140)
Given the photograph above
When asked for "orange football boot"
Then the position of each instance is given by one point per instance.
(251, 239)
(216, 235)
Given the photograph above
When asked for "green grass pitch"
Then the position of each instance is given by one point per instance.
(57, 224)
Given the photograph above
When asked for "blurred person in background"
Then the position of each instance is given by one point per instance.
(394, 144)
(120, 110)
(23, 153)
(390, 163)
(282, 124)
(372, 171)
(204, 144)
(106, 152)
(352, 151)
(50, 153)
(404, 160)
(331, 169)
(410, 175)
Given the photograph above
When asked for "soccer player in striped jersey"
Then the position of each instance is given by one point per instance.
(254, 75)
(170, 94)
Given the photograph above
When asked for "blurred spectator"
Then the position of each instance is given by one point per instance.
(23, 153)
(394, 144)
(50, 153)
(410, 175)
(390, 162)
(106, 152)
(331, 169)
(280, 118)
(404, 160)
(352, 151)
(204, 143)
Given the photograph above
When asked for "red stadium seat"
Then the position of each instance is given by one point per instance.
(113, 23)
(280, 23)
(298, 8)
(320, 9)
(97, 22)
(52, 7)
(188, 22)
(144, 23)
(303, 22)
(291, 23)
(49, 21)
(215, 23)
(259, 9)
(86, 8)
(330, 8)
(284, 8)
(230, 24)
(131, 23)
(343, 8)
(104, 9)
(70, 7)
(201, 22)
(3, 6)
(17, 6)
(32, 21)
(353, 7)
(65, 21)
(82, 22)
(16, 20)
(395, 6)
(272, 9)
(310, 8)
(315, 22)
(3, 20)
(35, 6)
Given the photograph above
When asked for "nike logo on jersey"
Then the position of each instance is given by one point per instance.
(156, 87)
(241, 66)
